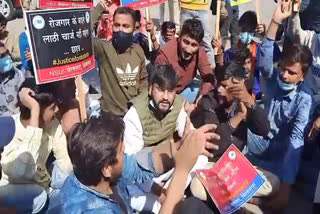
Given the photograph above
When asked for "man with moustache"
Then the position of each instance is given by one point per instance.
(27, 183)
(122, 66)
(156, 114)
(186, 57)
(156, 117)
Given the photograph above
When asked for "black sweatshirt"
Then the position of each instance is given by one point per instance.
(208, 111)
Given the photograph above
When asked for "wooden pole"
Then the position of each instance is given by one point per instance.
(147, 13)
(81, 98)
(217, 22)
(258, 11)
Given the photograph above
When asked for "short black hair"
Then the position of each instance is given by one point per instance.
(249, 21)
(93, 144)
(241, 55)
(295, 53)
(230, 69)
(44, 95)
(164, 76)
(126, 11)
(137, 16)
(193, 28)
(167, 25)
(3, 20)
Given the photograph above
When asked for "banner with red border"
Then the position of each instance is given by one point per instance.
(64, 3)
(60, 43)
(138, 4)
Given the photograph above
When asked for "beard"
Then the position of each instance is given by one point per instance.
(161, 104)
(186, 57)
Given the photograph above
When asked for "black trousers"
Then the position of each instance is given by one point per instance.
(194, 205)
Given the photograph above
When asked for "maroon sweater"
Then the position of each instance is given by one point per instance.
(168, 54)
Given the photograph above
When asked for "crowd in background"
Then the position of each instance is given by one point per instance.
(154, 116)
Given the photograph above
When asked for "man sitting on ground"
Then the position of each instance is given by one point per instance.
(232, 108)
(248, 28)
(156, 116)
(235, 112)
(186, 57)
(24, 159)
(287, 104)
(122, 66)
(102, 170)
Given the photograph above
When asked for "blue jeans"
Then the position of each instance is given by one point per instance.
(33, 198)
(256, 144)
(26, 198)
(204, 17)
(191, 92)
(57, 180)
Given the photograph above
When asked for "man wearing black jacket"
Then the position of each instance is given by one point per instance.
(231, 108)
(235, 113)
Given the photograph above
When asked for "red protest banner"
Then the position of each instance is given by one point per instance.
(138, 4)
(64, 3)
(232, 181)
(60, 43)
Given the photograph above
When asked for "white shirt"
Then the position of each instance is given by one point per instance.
(133, 141)
(133, 134)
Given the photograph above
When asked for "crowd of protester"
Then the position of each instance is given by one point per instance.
(161, 114)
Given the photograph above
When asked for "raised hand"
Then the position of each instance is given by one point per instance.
(239, 91)
(26, 98)
(150, 27)
(261, 29)
(283, 11)
(27, 54)
(105, 4)
(217, 43)
(197, 142)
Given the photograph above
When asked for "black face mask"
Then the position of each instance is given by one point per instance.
(121, 41)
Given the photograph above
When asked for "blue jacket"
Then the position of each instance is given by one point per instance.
(23, 46)
(76, 198)
(288, 114)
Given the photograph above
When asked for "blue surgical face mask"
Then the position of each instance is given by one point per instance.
(246, 37)
(286, 86)
(6, 64)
